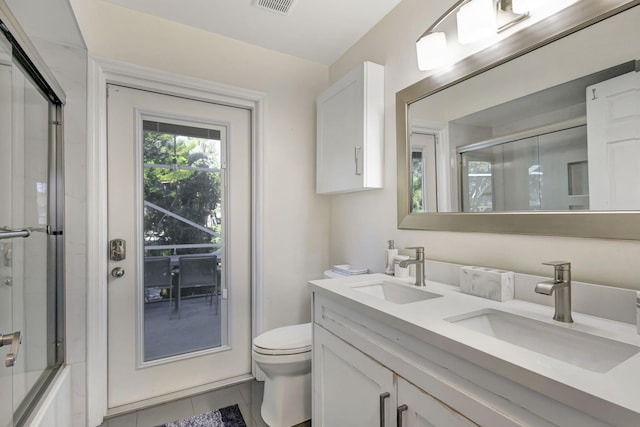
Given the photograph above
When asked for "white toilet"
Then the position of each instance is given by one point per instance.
(284, 356)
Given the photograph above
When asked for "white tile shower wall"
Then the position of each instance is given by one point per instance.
(487, 283)
(54, 408)
(596, 300)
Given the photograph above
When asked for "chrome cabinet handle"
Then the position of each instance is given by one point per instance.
(14, 341)
(401, 409)
(383, 397)
(356, 149)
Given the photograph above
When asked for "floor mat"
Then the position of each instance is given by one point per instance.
(223, 417)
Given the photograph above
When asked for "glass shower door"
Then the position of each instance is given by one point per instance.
(6, 290)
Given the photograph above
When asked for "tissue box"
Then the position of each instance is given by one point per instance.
(487, 282)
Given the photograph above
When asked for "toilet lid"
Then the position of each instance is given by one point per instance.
(286, 340)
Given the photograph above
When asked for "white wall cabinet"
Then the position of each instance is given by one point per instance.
(350, 132)
(352, 389)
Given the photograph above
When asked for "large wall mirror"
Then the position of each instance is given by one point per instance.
(538, 134)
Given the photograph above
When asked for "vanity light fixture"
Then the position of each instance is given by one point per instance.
(525, 6)
(476, 20)
(432, 51)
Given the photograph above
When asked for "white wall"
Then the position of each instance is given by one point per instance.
(361, 223)
(296, 242)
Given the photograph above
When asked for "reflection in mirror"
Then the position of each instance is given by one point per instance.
(531, 153)
(541, 172)
(423, 172)
(479, 186)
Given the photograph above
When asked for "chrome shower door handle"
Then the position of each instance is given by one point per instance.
(14, 340)
(6, 233)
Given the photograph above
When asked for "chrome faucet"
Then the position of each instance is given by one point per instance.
(561, 285)
(419, 262)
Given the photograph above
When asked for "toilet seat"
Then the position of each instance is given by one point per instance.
(287, 340)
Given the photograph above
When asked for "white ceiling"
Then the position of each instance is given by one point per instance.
(317, 30)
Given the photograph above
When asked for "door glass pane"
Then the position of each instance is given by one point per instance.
(182, 216)
(423, 173)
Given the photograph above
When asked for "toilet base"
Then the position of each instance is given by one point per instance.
(287, 398)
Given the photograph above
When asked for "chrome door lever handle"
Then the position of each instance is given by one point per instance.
(14, 340)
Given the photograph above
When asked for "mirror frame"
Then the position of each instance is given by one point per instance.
(623, 225)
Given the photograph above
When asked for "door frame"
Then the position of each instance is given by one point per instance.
(100, 73)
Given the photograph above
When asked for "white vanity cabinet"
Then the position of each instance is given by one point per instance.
(350, 132)
(352, 389)
(417, 408)
(360, 353)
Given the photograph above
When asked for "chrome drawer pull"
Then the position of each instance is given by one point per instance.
(383, 397)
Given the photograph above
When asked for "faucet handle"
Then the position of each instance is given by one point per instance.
(559, 265)
(419, 251)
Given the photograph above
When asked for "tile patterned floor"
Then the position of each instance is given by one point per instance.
(247, 395)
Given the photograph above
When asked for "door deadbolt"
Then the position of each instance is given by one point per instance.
(117, 272)
(117, 250)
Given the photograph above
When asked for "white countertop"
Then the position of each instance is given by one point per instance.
(616, 391)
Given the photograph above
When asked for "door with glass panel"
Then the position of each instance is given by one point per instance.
(179, 309)
(30, 237)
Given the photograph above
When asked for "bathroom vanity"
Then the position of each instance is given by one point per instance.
(390, 354)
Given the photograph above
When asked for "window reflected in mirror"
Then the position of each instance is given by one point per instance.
(542, 172)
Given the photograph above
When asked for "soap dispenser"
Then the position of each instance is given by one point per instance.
(391, 251)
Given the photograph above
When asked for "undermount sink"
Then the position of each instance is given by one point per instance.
(395, 292)
(587, 351)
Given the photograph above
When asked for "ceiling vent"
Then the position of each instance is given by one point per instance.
(282, 7)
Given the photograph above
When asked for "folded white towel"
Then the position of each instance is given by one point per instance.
(349, 269)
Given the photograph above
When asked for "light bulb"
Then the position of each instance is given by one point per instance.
(524, 6)
(476, 21)
(432, 51)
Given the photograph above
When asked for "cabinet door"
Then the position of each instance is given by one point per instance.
(350, 131)
(341, 136)
(348, 386)
(423, 410)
